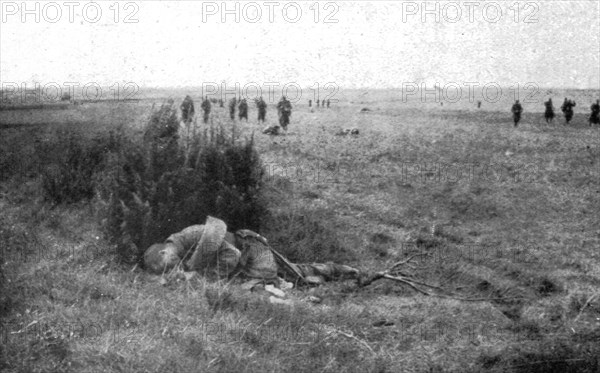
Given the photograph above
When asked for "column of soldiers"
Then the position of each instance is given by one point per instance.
(284, 110)
(566, 108)
(321, 103)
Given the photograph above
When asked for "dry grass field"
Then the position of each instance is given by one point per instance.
(506, 216)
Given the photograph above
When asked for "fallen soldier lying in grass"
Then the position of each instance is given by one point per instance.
(214, 252)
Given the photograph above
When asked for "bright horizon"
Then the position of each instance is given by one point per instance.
(373, 45)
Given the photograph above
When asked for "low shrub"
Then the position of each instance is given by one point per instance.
(158, 186)
(70, 163)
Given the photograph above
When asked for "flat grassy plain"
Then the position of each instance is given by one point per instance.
(506, 215)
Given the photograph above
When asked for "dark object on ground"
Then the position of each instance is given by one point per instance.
(271, 130)
(348, 131)
(383, 322)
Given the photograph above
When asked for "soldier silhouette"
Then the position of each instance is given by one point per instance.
(284, 109)
(517, 109)
(262, 109)
(243, 110)
(187, 110)
(549, 113)
(595, 115)
(206, 109)
(567, 109)
(232, 105)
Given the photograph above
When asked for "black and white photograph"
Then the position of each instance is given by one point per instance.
(402, 186)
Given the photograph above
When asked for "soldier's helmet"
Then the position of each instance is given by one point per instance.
(161, 257)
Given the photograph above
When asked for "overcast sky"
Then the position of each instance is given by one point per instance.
(377, 44)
